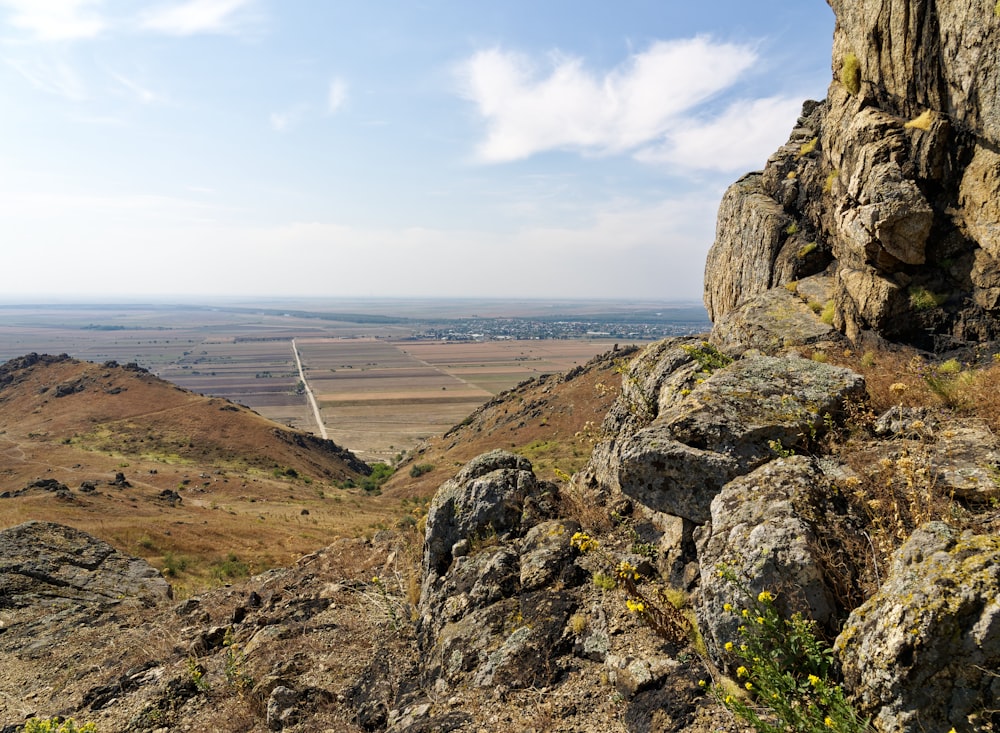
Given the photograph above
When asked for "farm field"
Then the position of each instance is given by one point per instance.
(380, 390)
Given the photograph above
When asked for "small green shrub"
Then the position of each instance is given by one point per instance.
(57, 725)
(850, 73)
(785, 669)
(604, 581)
(379, 475)
(829, 311)
(419, 469)
(792, 228)
(922, 299)
(231, 567)
(707, 356)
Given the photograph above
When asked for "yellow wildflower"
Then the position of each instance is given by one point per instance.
(749, 685)
(727, 606)
(828, 721)
(813, 680)
(728, 646)
(741, 671)
(765, 596)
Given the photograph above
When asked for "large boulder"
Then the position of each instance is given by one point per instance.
(494, 602)
(922, 653)
(734, 420)
(48, 564)
(761, 533)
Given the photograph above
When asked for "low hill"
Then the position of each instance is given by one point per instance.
(196, 485)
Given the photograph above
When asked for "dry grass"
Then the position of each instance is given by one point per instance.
(891, 490)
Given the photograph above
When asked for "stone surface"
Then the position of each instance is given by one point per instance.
(45, 564)
(922, 652)
(759, 532)
(897, 188)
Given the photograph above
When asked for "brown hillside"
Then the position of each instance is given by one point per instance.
(552, 420)
(206, 487)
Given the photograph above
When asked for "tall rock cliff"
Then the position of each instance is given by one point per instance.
(891, 185)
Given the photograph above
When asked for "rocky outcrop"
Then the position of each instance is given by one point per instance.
(923, 651)
(761, 533)
(489, 610)
(700, 432)
(892, 182)
(46, 564)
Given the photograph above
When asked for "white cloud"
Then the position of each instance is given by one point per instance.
(56, 20)
(144, 95)
(53, 77)
(282, 121)
(572, 108)
(337, 95)
(740, 139)
(196, 16)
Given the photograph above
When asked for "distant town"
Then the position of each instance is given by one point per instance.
(487, 329)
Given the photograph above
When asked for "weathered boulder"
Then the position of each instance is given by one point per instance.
(922, 653)
(484, 499)
(495, 602)
(736, 419)
(43, 564)
(770, 322)
(760, 533)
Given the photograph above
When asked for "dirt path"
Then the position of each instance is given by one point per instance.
(309, 393)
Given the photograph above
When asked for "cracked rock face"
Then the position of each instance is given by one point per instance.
(922, 653)
(50, 564)
(891, 185)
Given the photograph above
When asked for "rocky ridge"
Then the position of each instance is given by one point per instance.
(889, 186)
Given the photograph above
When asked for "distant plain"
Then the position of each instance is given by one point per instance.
(381, 383)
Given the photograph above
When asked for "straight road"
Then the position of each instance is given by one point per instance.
(309, 393)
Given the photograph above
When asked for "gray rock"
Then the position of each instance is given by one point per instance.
(770, 322)
(484, 499)
(965, 461)
(43, 563)
(736, 419)
(922, 653)
(759, 533)
(281, 707)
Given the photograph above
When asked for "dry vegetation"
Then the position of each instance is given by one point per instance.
(892, 486)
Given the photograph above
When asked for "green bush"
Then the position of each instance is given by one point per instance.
(785, 670)
(379, 475)
(57, 725)
(419, 469)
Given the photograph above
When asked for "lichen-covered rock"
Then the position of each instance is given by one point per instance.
(922, 653)
(965, 460)
(759, 532)
(770, 322)
(495, 612)
(893, 181)
(703, 431)
(651, 382)
(484, 499)
(45, 564)
(736, 419)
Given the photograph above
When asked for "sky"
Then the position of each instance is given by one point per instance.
(366, 148)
